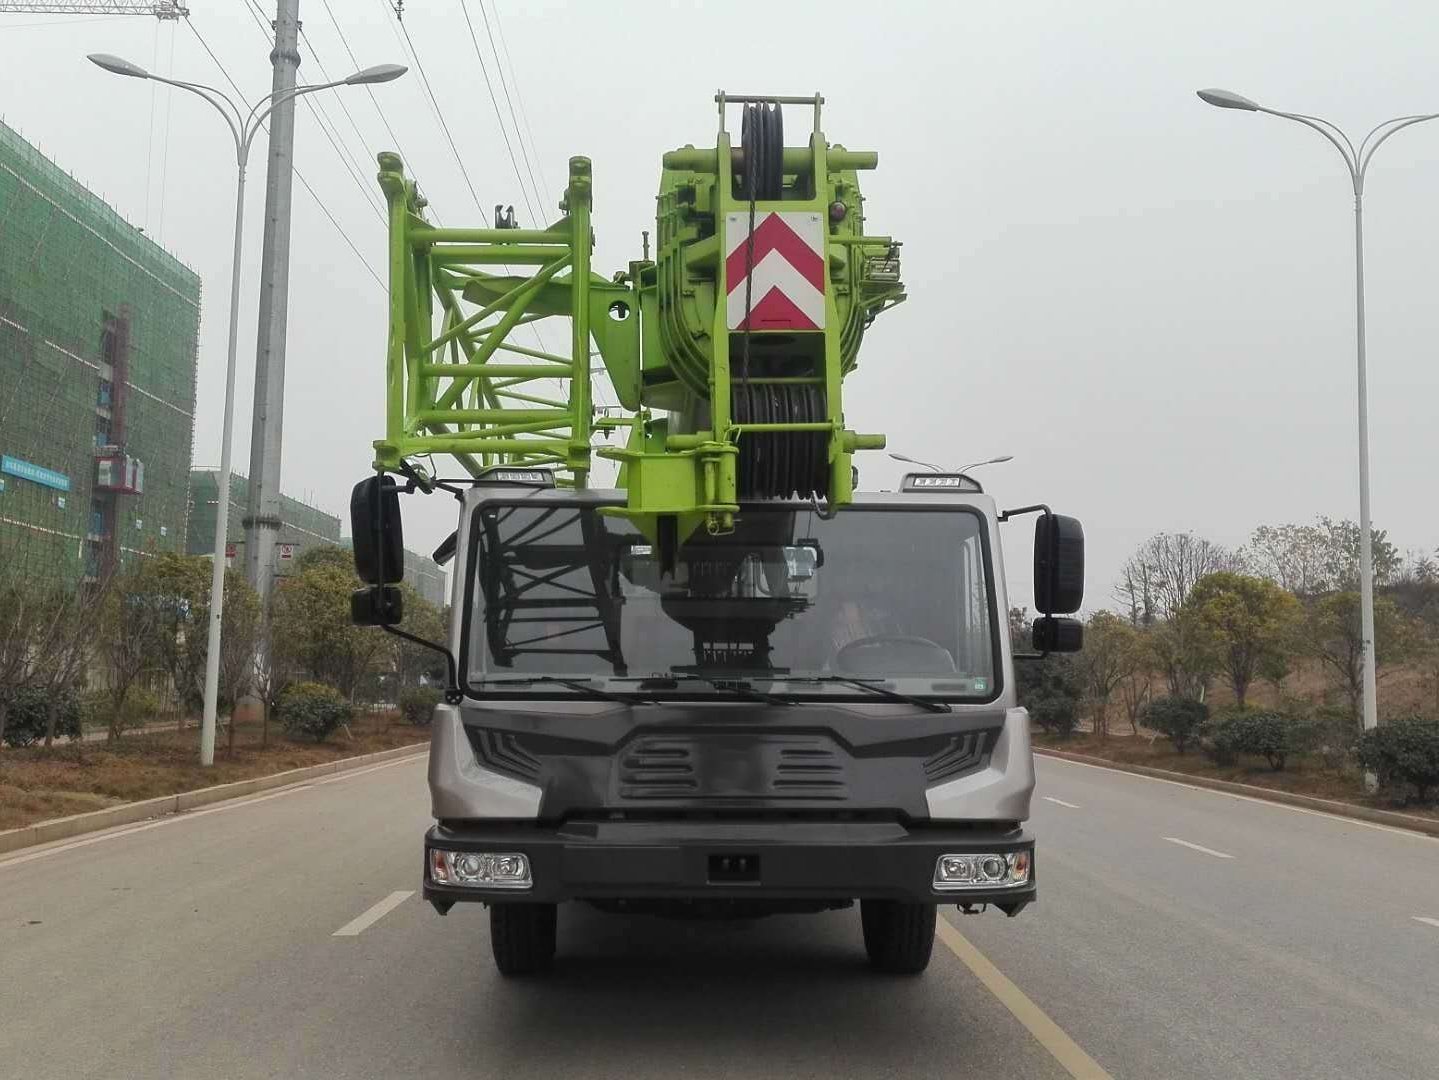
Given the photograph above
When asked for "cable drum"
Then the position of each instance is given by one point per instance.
(780, 464)
(762, 140)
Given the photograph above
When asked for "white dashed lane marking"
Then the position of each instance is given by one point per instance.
(1060, 802)
(357, 926)
(1198, 847)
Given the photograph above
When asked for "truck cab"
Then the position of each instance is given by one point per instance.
(809, 710)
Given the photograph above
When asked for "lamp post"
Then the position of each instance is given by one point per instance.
(1357, 162)
(1000, 460)
(243, 127)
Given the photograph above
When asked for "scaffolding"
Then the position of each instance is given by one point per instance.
(98, 344)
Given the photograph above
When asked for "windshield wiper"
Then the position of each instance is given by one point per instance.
(573, 684)
(741, 688)
(871, 687)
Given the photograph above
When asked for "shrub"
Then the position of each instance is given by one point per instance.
(1403, 752)
(142, 706)
(1056, 714)
(1273, 736)
(312, 711)
(25, 720)
(1334, 733)
(1181, 719)
(418, 704)
(1050, 690)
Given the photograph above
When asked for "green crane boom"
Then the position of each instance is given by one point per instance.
(726, 351)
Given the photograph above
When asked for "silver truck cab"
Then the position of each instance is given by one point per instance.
(809, 711)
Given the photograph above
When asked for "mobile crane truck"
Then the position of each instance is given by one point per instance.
(731, 685)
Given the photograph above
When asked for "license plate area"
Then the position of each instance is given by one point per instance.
(734, 868)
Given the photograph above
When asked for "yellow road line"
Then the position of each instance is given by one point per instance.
(1045, 1031)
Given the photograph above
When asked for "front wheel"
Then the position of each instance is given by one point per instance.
(522, 937)
(898, 936)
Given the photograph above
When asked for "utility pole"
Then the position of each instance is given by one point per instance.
(262, 515)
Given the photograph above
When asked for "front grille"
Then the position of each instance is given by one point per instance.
(812, 769)
(656, 769)
(726, 767)
(960, 753)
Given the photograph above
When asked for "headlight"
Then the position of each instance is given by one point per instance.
(480, 869)
(984, 870)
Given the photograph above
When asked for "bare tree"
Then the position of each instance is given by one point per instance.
(132, 619)
(1134, 592)
(1157, 578)
(68, 647)
(239, 641)
(1310, 560)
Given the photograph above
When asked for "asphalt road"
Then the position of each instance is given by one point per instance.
(1180, 933)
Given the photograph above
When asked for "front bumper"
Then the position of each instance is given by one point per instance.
(686, 860)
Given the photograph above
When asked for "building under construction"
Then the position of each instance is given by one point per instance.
(98, 332)
(302, 527)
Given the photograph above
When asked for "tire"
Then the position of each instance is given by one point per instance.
(522, 937)
(898, 936)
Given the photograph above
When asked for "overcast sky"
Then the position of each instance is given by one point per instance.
(1148, 301)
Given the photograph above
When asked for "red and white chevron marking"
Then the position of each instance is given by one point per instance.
(787, 291)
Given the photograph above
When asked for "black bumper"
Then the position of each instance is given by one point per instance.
(690, 860)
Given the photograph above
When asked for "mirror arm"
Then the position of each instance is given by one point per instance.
(1037, 508)
(453, 696)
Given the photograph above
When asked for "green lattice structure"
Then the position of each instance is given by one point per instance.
(98, 331)
(727, 350)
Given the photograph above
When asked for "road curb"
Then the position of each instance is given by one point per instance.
(1428, 826)
(45, 832)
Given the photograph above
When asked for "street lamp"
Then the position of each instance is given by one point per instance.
(1357, 161)
(1000, 460)
(243, 127)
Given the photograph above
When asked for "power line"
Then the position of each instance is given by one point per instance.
(321, 117)
(165, 143)
(440, 116)
(394, 139)
(504, 133)
(509, 63)
(298, 175)
(539, 224)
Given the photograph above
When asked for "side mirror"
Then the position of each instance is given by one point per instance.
(1058, 565)
(378, 535)
(379, 605)
(1053, 635)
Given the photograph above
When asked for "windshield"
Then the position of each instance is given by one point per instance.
(792, 603)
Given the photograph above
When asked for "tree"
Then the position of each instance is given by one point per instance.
(1251, 622)
(24, 625)
(1135, 689)
(132, 621)
(1164, 569)
(1133, 591)
(310, 623)
(1308, 560)
(1333, 634)
(1109, 657)
(181, 584)
(1185, 653)
(239, 642)
(413, 662)
(65, 654)
(1050, 688)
